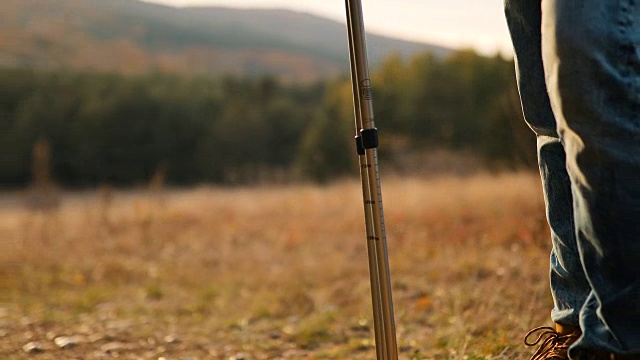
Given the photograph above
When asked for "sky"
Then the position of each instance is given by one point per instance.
(477, 24)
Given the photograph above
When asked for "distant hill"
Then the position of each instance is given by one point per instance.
(130, 36)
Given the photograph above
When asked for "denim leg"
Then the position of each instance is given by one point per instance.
(568, 283)
(569, 286)
(591, 51)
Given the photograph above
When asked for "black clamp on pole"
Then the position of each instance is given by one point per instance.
(368, 139)
(359, 147)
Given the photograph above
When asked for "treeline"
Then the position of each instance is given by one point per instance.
(463, 102)
(105, 128)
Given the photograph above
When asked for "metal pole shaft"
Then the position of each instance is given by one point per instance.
(384, 323)
(369, 228)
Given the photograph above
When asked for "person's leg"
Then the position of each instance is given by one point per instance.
(591, 51)
(568, 284)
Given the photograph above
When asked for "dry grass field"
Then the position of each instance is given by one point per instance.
(274, 272)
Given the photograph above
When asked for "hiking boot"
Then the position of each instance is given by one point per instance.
(553, 343)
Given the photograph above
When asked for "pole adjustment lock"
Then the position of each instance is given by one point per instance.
(369, 138)
(359, 147)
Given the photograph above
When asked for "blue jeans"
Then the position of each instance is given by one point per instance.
(578, 70)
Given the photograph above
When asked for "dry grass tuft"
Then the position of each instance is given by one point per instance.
(275, 272)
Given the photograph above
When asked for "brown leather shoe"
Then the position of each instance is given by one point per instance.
(553, 343)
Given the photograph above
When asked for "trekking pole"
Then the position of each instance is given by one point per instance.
(366, 145)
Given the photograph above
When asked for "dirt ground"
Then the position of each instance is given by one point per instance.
(273, 272)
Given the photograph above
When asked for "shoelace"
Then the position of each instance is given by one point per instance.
(552, 344)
